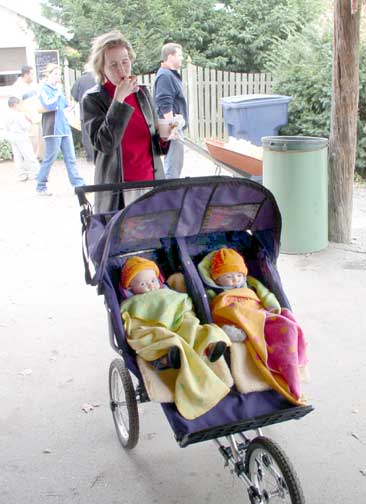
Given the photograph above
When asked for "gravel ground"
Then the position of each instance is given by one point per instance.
(359, 217)
(54, 358)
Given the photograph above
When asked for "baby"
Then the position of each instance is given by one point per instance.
(139, 276)
(229, 270)
(247, 311)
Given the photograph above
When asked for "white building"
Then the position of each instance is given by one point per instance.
(17, 41)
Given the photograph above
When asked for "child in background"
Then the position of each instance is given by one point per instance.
(17, 127)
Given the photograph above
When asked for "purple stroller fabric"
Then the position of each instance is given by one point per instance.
(180, 219)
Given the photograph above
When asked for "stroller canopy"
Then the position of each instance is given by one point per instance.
(191, 207)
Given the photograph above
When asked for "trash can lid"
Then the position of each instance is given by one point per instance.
(293, 143)
(254, 100)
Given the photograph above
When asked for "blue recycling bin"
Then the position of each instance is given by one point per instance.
(255, 115)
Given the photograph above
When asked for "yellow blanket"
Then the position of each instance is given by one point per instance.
(157, 320)
(274, 341)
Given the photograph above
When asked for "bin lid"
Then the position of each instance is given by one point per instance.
(254, 100)
(293, 143)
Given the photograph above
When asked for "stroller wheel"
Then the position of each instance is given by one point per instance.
(123, 404)
(271, 473)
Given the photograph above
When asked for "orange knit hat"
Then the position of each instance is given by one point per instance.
(227, 260)
(134, 265)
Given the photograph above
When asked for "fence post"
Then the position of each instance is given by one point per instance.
(192, 101)
(204, 89)
(67, 80)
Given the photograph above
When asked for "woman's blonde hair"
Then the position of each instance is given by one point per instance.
(100, 44)
(51, 67)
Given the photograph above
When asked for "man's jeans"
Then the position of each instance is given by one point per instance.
(53, 146)
(173, 163)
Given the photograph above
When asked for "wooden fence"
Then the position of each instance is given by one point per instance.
(204, 88)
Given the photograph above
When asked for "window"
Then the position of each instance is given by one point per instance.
(8, 79)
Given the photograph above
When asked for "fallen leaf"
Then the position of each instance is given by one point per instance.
(363, 472)
(26, 372)
(87, 407)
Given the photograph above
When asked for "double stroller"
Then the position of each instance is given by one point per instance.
(176, 223)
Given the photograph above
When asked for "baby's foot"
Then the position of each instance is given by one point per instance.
(215, 350)
(169, 361)
(235, 334)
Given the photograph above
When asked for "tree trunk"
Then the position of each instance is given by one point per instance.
(343, 131)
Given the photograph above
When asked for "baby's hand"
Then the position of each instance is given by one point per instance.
(235, 334)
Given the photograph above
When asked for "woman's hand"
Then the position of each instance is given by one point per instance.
(126, 86)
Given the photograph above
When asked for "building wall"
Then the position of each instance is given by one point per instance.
(17, 47)
(17, 43)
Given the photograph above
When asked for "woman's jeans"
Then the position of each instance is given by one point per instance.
(53, 146)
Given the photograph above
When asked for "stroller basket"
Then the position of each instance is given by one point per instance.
(293, 413)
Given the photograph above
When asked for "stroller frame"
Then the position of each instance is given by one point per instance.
(257, 461)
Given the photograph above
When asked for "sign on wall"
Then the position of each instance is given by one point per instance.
(42, 59)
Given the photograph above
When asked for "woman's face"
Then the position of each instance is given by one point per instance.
(54, 77)
(145, 281)
(234, 279)
(117, 64)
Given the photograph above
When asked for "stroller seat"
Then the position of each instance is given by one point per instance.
(154, 383)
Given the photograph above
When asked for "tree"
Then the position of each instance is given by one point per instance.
(343, 132)
(301, 67)
(148, 24)
(251, 28)
(235, 38)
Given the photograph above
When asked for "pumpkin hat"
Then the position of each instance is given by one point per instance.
(227, 260)
(133, 266)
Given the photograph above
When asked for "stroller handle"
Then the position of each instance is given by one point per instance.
(81, 191)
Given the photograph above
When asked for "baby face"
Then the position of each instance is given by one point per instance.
(232, 279)
(144, 281)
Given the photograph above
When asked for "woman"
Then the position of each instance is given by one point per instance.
(120, 119)
(56, 131)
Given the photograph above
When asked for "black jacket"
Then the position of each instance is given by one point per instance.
(80, 86)
(106, 122)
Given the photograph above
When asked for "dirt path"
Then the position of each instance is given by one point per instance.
(55, 354)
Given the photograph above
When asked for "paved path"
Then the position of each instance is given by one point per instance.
(54, 358)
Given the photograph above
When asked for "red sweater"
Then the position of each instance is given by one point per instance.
(137, 159)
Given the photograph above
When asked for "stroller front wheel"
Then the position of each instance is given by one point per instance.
(271, 473)
(123, 404)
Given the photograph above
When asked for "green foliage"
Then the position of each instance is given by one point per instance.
(301, 67)
(143, 22)
(5, 150)
(237, 37)
(249, 29)
(47, 39)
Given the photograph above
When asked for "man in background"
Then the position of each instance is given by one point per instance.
(26, 90)
(80, 86)
(170, 101)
